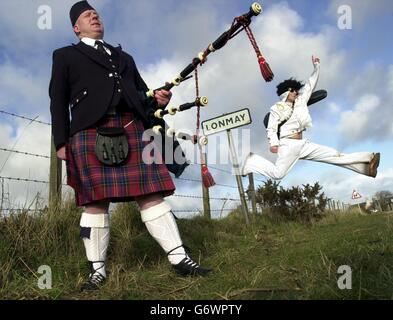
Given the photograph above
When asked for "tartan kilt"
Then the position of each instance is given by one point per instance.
(94, 181)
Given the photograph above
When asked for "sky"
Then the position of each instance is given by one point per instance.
(163, 37)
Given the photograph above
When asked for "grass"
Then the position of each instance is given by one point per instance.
(271, 259)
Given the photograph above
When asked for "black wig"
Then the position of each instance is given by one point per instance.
(289, 84)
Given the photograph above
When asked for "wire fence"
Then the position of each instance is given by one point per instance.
(231, 201)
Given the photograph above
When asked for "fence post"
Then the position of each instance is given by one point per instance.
(378, 204)
(251, 188)
(55, 177)
(2, 196)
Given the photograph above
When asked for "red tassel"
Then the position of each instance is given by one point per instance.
(267, 73)
(207, 178)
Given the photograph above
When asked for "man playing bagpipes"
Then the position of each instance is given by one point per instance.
(288, 119)
(100, 87)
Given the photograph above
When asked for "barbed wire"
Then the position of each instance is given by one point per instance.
(219, 169)
(179, 195)
(200, 210)
(46, 123)
(225, 171)
(193, 180)
(19, 209)
(176, 195)
(26, 180)
(22, 117)
(175, 211)
(21, 179)
(25, 153)
(199, 181)
(199, 197)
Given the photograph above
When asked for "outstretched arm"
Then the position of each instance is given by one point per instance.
(310, 85)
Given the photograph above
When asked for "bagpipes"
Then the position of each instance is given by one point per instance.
(239, 24)
(180, 135)
(199, 102)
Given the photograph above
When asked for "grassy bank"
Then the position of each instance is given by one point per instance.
(268, 260)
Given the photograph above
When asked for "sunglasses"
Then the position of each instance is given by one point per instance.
(293, 90)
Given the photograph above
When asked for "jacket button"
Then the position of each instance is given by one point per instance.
(113, 66)
(77, 100)
(85, 93)
(119, 90)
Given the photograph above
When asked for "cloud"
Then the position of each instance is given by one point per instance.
(32, 138)
(231, 77)
(22, 89)
(334, 108)
(354, 122)
(370, 119)
(163, 40)
(340, 186)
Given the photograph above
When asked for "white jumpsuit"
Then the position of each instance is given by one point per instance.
(291, 150)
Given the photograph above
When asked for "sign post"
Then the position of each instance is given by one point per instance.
(227, 122)
(251, 189)
(235, 165)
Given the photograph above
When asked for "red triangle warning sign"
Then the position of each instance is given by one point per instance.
(356, 195)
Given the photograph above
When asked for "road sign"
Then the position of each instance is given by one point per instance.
(226, 122)
(356, 195)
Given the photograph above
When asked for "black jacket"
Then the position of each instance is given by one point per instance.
(83, 83)
(82, 86)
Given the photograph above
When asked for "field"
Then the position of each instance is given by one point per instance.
(270, 259)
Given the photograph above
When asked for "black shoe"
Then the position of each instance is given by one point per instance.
(95, 281)
(188, 267)
(374, 163)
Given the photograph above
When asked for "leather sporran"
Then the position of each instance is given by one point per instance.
(112, 146)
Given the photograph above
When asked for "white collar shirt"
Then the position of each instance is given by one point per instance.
(92, 43)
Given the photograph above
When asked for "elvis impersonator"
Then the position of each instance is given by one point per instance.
(99, 86)
(288, 119)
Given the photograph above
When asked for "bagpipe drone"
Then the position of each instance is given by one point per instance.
(239, 24)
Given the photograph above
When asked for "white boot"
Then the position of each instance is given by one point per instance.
(161, 224)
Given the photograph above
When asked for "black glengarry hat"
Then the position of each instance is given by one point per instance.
(77, 9)
(289, 84)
